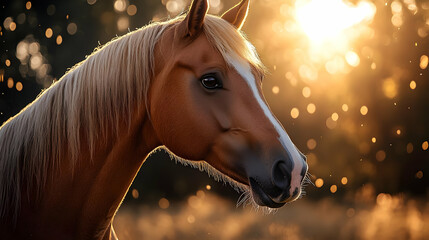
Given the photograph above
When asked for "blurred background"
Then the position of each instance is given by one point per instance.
(348, 80)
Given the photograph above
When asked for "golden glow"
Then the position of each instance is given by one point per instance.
(335, 65)
(333, 188)
(12, 26)
(48, 33)
(364, 110)
(132, 10)
(390, 88)
(28, 5)
(7, 62)
(36, 61)
(276, 90)
(72, 28)
(326, 20)
(174, 6)
(425, 145)
(214, 3)
(194, 201)
(344, 180)
(334, 116)
(10, 82)
(396, 7)
(345, 107)
(311, 108)
(123, 23)
(120, 5)
(294, 113)
(135, 193)
(330, 123)
(410, 148)
(413, 85)
(319, 182)
(306, 92)
(311, 144)
(19, 86)
(384, 199)
(208, 187)
(373, 139)
(398, 131)
(191, 218)
(163, 203)
(59, 40)
(201, 194)
(7, 22)
(352, 58)
(424, 61)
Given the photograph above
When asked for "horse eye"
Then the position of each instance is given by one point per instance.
(210, 82)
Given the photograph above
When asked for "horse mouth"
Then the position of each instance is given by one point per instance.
(262, 198)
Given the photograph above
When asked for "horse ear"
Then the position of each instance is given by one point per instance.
(193, 23)
(237, 14)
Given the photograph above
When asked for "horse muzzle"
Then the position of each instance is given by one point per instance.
(275, 189)
(275, 178)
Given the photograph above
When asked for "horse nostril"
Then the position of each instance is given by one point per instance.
(281, 174)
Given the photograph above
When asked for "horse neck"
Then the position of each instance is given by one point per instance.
(107, 163)
(113, 170)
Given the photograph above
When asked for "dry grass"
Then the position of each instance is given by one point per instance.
(207, 216)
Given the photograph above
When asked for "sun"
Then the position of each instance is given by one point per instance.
(326, 20)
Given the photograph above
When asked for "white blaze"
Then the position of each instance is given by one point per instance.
(243, 68)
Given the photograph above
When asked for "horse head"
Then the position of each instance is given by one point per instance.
(205, 103)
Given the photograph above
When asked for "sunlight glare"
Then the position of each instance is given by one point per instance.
(325, 20)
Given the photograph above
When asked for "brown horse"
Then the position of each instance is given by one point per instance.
(191, 84)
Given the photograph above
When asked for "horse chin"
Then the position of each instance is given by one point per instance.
(261, 198)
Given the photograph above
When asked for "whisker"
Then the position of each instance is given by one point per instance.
(243, 199)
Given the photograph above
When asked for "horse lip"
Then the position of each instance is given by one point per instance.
(263, 198)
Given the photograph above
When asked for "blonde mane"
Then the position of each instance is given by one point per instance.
(91, 98)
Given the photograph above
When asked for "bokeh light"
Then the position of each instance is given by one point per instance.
(306, 92)
(28, 5)
(275, 89)
(333, 188)
(311, 108)
(294, 113)
(135, 193)
(132, 10)
(59, 40)
(425, 145)
(18, 86)
(413, 85)
(311, 144)
(48, 33)
(163, 203)
(319, 182)
(120, 5)
(344, 180)
(423, 61)
(364, 110)
(72, 28)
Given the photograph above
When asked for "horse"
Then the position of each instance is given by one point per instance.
(191, 85)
